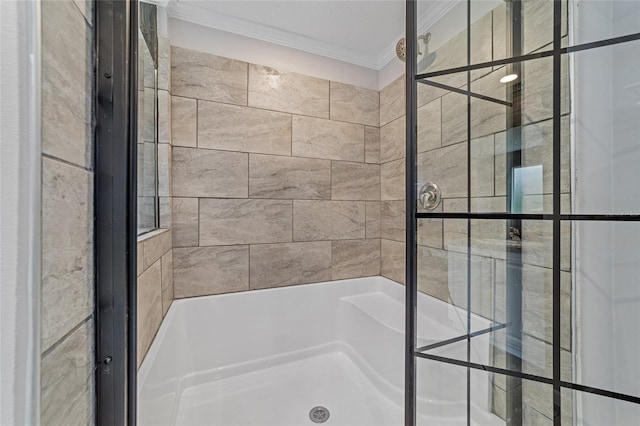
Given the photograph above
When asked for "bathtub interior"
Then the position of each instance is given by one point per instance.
(340, 343)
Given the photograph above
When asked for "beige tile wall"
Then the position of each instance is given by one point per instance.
(442, 158)
(155, 285)
(67, 371)
(276, 177)
(154, 249)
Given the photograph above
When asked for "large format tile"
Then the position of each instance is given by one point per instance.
(67, 380)
(199, 271)
(155, 247)
(288, 92)
(164, 116)
(149, 307)
(277, 265)
(67, 82)
(392, 101)
(392, 258)
(225, 222)
(392, 220)
(328, 220)
(371, 145)
(354, 104)
(446, 167)
(454, 126)
(355, 181)
(393, 140)
(333, 140)
(184, 225)
(67, 248)
(167, 281)
(164, 63)
(236, 128)
(208, 173)
(429, 126)
(537, 150)
(392, 176)
(537, 89)
(203, 76)
(537, 25)
(372, 217)
(184, 120)
(355, 258)
(429, 233)
(482, 167)
(164, 169)
(272, 176)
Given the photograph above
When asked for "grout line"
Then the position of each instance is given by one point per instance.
(68, 163)
(278, 111)
(65, 336)
(197, 124)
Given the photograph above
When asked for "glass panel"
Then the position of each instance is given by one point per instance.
(442, 44)
(605, 116)
(596, 20)
(497, 35)
(147, 120)
(442, 140)
(607, 306)
(591, 409)
(442, 397)
(510, 292)
(512, 139)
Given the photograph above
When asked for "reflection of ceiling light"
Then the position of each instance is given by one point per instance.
(508, 78)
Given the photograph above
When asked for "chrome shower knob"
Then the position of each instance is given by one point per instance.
(429, 196)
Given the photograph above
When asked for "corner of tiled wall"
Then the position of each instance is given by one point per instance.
(154, 250)
(273, 185)
(392, 176)
(67, 370)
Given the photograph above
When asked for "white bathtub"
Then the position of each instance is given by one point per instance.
(267, 357)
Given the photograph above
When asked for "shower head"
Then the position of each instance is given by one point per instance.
(401, 49)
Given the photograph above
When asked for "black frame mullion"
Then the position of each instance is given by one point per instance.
(411, 279)
(115, 207)
(557, 93)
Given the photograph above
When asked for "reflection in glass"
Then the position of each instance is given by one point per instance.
(147, 105)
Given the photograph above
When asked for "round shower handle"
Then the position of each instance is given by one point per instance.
(429, 196)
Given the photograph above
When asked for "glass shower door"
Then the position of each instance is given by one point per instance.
(523, 241)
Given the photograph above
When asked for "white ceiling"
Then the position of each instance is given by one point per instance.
(361, 32)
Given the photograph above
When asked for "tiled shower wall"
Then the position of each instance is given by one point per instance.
(154, 249)
(442, 158)
(67, 214)
(276, 177)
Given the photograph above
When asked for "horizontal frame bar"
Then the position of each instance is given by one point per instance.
(531, 56)
(465, 92)
(532, 377)
(530, 216)
(461, 338)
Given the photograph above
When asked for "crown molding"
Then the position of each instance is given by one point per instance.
(208, 18)
(434, 12)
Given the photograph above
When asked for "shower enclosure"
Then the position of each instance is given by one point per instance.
(523, 208)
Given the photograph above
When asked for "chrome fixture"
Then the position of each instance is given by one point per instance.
(430, 196)
(401, 50)
(319, 414)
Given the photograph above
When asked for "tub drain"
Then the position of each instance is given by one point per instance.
(319, 414)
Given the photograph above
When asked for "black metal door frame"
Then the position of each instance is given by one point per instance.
(556, 218)
(115, 211)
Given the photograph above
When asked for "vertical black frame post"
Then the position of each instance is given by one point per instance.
(513, 291)
(115, 206)
(411, 279)
(557, 171)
